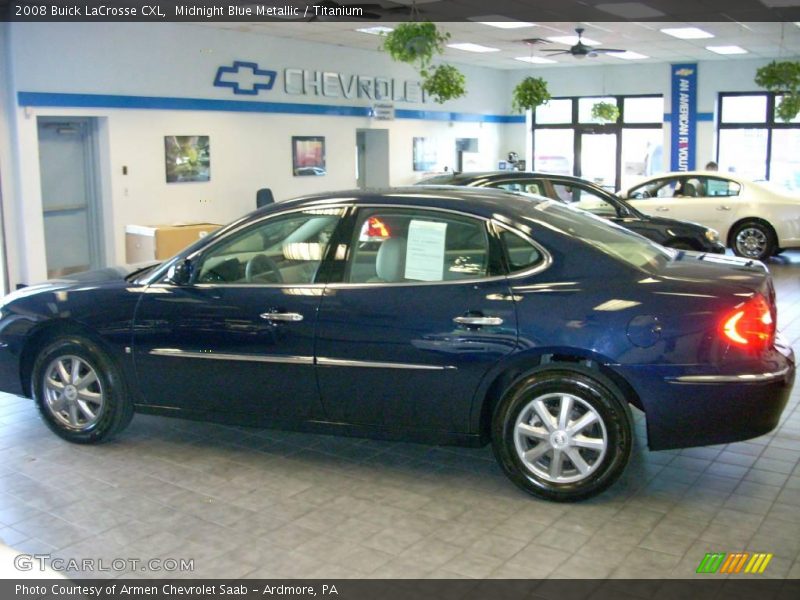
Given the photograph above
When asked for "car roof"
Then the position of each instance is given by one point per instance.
(466, 177)
(485, 202)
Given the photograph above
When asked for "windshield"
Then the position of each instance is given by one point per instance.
(611, 239)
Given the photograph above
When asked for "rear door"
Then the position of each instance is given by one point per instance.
(421, 312)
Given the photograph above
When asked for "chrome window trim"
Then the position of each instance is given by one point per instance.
(745, 378)
(370, 364)
(177, 353)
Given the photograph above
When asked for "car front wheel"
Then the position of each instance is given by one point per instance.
(562, 434)
(79, 391)
(753, 239)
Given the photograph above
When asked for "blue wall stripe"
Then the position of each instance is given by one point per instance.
(701, 116)
(46, 99)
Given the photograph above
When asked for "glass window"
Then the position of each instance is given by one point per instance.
(744, 109)
(417, 246)
(554, 150)
(660, 188)
(744, 152)
(522, 255)
(524, 186)
(283, 249)
(720, 187)
(554, 112)
(599, 158)
(785, 166)
(643, 110)
(585, 199)
(585, 108)
(642, 154)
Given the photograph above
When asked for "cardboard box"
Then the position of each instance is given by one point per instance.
(158, 242)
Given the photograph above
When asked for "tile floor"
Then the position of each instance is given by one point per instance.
(270, 504)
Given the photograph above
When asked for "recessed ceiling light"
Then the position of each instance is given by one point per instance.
(377, 30)
(537, 60)
(628, 55)
(687, 33)
(571, 40)
(470, 47)
(502, 22)
(727, 49)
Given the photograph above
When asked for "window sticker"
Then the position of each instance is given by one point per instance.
(425, 251)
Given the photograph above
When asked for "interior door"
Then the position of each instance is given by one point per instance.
(420, 315)
(68, 195)
(238, 337)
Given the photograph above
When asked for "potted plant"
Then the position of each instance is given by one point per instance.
(605, 112)
(444, 82)
(782, 78)
(529, 93)
(415, 43)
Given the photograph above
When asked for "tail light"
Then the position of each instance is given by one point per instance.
(750, 325)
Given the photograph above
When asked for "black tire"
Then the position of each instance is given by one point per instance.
(591, 390)
(753, 239)
(113, 410)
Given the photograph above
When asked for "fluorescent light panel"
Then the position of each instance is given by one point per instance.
(470, 47)
(727, 49)
(501, 22)
(377, 30)
(536, 60)
(687, 33)
(571, 40)
(628, 55)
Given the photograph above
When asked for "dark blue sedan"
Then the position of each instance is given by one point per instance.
(444, 315)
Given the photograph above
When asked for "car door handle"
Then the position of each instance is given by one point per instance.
(291, 317)
(724, 207)
(478, 321)
(662, 209)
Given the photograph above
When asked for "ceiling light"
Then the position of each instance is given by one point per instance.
(503, 23)
(377, 30)
(727, 49)
(687, 33)
(470, 47)
(628, 55)
(571, 40)
(537, 60)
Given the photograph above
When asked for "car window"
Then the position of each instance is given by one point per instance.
(585, 199)
(409, 245)
(284, 249)
(660, 188)
(526, 187)
(717, 187)
(521, 253)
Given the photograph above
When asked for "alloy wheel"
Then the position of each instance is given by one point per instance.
(73, 393)
(751, 242)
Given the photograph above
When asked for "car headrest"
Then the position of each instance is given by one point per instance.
(390, 263)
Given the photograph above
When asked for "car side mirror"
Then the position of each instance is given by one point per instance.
(180, 273)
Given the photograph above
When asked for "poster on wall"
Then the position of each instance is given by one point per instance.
(424, 154)
(308, 155)
(187, 158)
(683, 124)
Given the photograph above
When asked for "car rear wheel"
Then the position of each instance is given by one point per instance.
(79, 391)
(562, 434)
(753, 239)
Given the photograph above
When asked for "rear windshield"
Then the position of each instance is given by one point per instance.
(437, 180)
(611, 239)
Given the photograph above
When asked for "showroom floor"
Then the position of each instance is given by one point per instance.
(261, 503)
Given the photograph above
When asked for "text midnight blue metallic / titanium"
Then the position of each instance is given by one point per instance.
(683, 135)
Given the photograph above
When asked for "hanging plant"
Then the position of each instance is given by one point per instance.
(605, 112)
(444, 82)
(782, 78)
(788, 107)
(415, 43)
(529, 93)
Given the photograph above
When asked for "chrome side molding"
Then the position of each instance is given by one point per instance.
(745, 378)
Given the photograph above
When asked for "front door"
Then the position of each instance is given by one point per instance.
(243, 325)
(422, 312)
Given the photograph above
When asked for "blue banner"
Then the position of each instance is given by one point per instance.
(683, 136)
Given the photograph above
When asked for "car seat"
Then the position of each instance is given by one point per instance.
(390, 262)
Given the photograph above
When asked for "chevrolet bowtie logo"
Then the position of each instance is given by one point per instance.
(245, 78)
(684, 72)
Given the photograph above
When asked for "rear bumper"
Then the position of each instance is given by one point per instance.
(699, 409)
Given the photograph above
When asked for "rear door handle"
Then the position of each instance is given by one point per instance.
(291, 317)
(724, 207)
(478, 321)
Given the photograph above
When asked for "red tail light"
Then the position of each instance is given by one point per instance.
(750, 325)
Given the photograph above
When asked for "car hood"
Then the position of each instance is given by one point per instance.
(87, 278)
(666, 222)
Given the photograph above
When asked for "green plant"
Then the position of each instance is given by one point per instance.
(605, 112)
(782, 78)
(529, 93)
(444, 82)
(415, 43)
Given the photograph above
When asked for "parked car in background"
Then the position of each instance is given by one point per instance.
(755, 220)
(445, 315)
(578, 192)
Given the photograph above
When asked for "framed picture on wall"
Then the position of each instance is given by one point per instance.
(424, 154)
(187, 158)
(308, 155)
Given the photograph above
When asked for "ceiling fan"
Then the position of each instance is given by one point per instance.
(581, 50)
